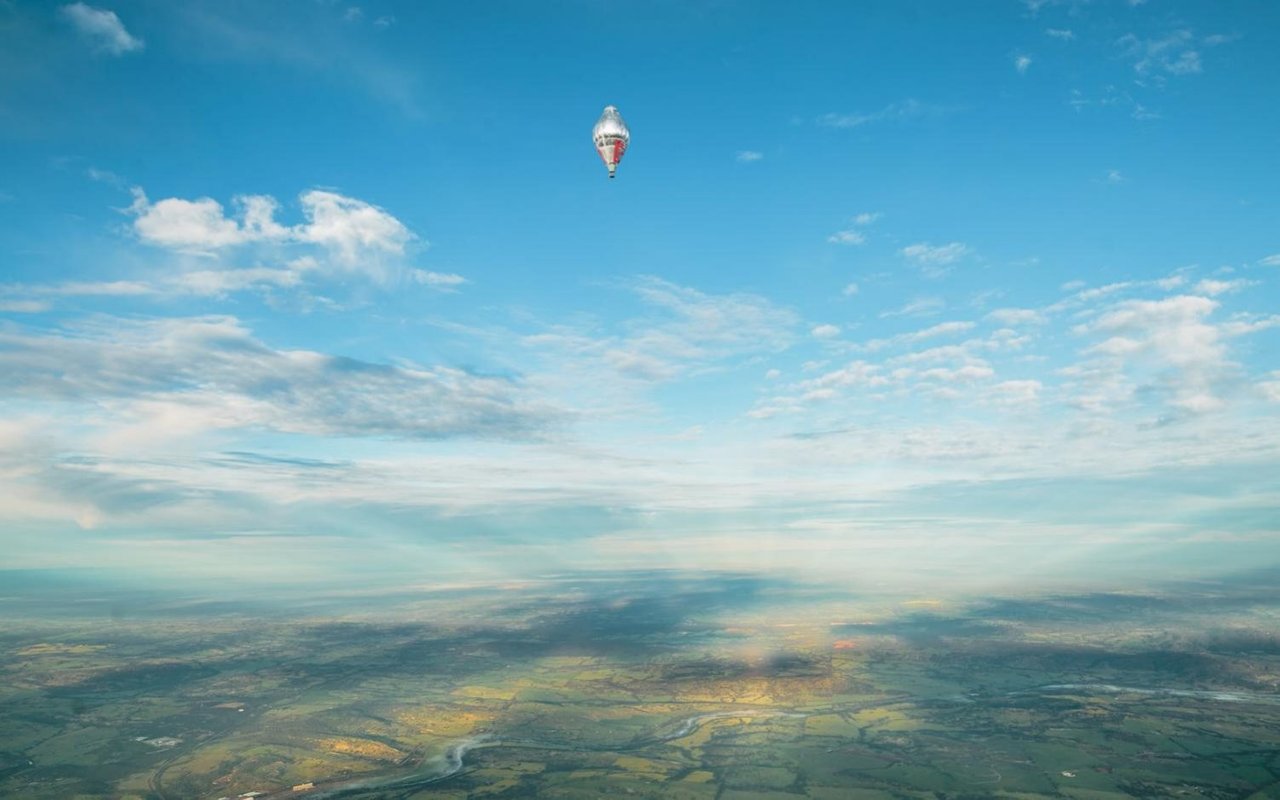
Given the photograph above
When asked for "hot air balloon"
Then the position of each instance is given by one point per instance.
(611, 137)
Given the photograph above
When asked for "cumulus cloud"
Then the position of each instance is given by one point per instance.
(1022, 63)
(201, 223)
(343, 225)
(866, 218)
(355, 235)
(1168, 345)
(101, 27)
(350, 227)
(748, 156)
(212, 373)
(826, 331)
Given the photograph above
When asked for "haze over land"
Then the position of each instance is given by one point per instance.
(919, 351)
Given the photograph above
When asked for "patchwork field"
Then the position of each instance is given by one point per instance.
(695, 692)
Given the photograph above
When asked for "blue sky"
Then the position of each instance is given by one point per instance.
(917, 293)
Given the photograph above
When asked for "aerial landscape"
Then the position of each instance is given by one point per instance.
(720, 399)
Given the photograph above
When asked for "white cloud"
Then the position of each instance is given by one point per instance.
(1016, 316)
(1271, 261)
(685, 330)
(849, 290)
(1015, 394)
(748, 156)
(218, 282)
(934, 260)
(1022, 63)
(1171, 334)
(926, 253)
(349, 226)
(1171, 54)
(847, 237)
(907, 109)
(933, 331)
(1062, 34)
(23, 306)
(189, 224)
(440, 280)
(917, 307)
(965, 374)
(1271, 388)
(826, 331)
(212, 373)
(353, 232)
(1188, 63)
(866, 218)
(1212, 288)
(1114, 177)
(102, 27)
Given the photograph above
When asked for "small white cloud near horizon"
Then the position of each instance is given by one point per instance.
(102, 27)
(748, 156)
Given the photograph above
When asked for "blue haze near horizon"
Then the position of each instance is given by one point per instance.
(922, 294)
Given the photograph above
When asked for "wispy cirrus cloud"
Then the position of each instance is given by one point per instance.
(894, 112)
(211, 373)
(917, 307)
(847, 237)
(684, 331)
(1172, 54)
(102, 28)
